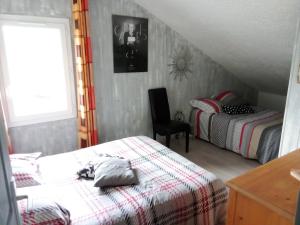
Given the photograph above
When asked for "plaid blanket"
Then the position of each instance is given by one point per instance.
(171, 189)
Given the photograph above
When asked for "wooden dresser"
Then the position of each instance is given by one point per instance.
(266, 195)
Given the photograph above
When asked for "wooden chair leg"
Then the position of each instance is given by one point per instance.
(187, 138)
(168, 137)
(154, 135)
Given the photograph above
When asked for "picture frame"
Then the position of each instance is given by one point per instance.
(130, 44)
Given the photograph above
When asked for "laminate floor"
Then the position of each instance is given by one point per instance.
(223, 163)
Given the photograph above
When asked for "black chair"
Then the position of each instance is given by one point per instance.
(161, 120)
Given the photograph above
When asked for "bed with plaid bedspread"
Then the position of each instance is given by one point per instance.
(254, 136)
(171, 189)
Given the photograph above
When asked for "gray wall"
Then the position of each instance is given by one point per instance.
(271, 101)
(53, 137)
(122, 100)
(290, 138)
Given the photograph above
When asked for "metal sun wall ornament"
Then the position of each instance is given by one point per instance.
(181, 63)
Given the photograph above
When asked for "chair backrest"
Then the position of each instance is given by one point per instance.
(159, 104)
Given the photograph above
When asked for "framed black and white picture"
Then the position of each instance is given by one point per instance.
(130, 44)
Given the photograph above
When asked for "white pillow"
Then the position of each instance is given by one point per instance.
(207, 105)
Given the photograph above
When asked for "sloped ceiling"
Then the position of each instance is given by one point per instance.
(253, 39)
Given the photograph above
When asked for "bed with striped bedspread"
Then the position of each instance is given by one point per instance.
(254, 136)
(171, 189)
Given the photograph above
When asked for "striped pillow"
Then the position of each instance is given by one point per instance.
(226, 97)
(206, 105)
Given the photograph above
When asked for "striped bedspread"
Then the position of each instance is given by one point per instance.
(171, 189)
(201, 123)
(254, 136)
(244, 134)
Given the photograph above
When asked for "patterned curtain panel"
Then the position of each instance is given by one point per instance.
(87, 133)
(2, 116)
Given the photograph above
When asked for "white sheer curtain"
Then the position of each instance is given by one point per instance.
(10, 148)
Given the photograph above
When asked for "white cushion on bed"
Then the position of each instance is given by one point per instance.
(111, 171)
(206, 105)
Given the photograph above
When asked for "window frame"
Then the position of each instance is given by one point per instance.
(34, 21)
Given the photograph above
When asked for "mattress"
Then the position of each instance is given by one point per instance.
(254, 136)
(171, 189)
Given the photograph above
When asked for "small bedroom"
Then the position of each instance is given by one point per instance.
(141, 112)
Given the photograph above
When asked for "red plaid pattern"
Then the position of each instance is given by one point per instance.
(171, 189)
(25, 169)
(43, 212)
(24, 179)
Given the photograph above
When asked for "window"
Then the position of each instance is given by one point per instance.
(37, 79)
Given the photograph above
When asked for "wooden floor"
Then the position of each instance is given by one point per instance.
(223, 163)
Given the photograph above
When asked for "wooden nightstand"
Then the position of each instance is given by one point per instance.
(266, 195)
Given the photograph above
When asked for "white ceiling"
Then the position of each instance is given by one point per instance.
(253, 39)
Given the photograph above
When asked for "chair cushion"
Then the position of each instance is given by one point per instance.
(172, 127)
